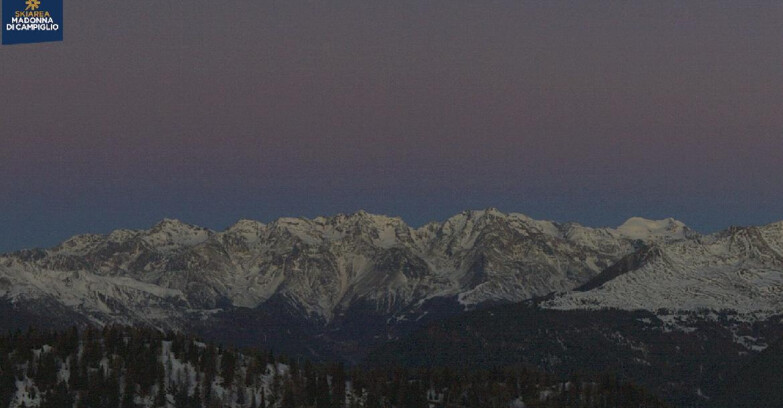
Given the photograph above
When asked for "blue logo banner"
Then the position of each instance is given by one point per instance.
(32, 21)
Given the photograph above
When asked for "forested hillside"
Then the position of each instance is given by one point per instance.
(758, 384)
(683, 358)
(120, 367)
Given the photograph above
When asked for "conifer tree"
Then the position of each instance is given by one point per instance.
(160, 397)
(338, 385)
(322, 397)
(195, 400)
(128, 397)
(59, 397)
(228, 367)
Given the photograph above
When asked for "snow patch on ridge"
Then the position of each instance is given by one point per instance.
(644, 229)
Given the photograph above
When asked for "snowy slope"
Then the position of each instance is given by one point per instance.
(740, 269)
(667, 230)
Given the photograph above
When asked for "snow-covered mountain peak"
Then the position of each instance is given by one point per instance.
(490, 212)
(246, 225)
(645, 229)
(172, 232)
(380, 230)
(493, 211)
(121, 235)
(365, 218)
(301, 229)
(739, 269)
(79, 244)
(292, 221)
(775, 228)
(547, 227)
(360, 213)
(172, 224)
(244, 232)
(467, 220)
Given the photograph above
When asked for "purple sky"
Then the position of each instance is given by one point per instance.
(214, 111)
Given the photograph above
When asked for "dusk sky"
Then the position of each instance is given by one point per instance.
(212, 111)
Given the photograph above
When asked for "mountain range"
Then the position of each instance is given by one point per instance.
(340, 286)
(320, 268)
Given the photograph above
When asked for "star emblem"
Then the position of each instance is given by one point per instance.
(32, 4)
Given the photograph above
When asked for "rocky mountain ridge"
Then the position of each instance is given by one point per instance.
(739, 269)
(362, 278)
(321, 266)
